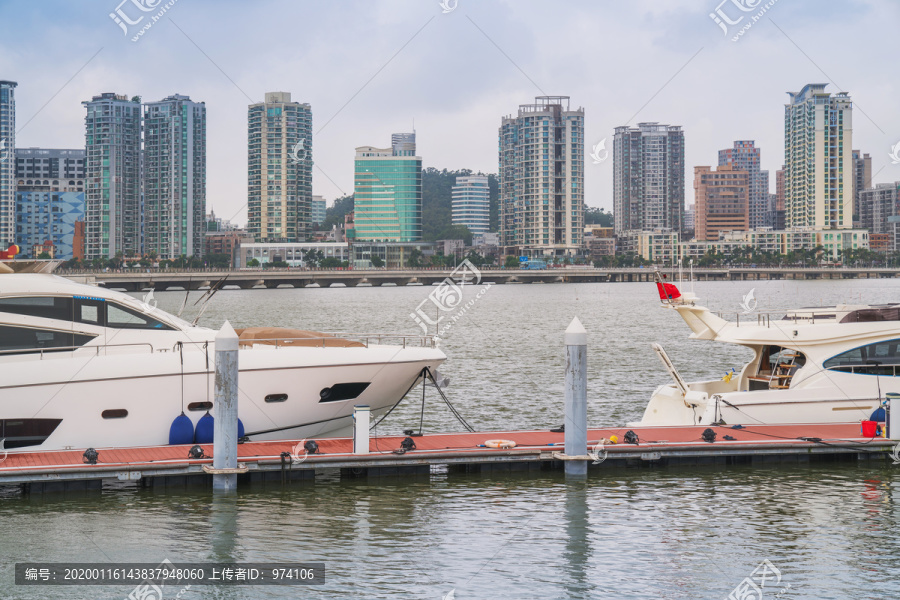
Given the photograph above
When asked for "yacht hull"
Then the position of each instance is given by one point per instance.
(280, 391)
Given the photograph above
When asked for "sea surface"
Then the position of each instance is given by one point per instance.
(826, 530)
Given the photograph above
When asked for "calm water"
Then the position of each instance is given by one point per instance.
(831, 531)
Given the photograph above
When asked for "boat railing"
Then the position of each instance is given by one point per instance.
(765, 318)
(367, 339)
(54, 349)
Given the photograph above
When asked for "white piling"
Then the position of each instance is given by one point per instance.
(576, 398)
(361, 414)
(225, 433)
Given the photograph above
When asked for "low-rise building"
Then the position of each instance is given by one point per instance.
(226, 242)
(656, 246)
(294, 254)
(881, 242)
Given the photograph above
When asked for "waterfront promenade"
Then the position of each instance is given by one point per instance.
(137, 280)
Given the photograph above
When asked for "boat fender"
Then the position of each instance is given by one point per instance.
(241, 435)
(181, 431)
(505, 444)
(205, 429)
(708, 435)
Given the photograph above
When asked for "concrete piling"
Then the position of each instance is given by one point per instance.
(576, 398)
(225, 433)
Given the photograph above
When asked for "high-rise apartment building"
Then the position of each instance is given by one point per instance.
(7, 163)
(818, 142)
(174, 177)
(279, 169)
(471, 203)
(745, 156)
(721, 201)
(862, 179)
(648, 178)
(877, 205)
(541, 166)
(387, 192)
(112, 169)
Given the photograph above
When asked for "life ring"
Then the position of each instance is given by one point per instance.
(506, 444)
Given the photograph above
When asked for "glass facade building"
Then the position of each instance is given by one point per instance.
(279, 169)
(174, 178)
(7, 160)
(387, 187)
(112, 194)
(318, 210)
(471, 203)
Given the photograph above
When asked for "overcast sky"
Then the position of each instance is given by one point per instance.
(372, 68)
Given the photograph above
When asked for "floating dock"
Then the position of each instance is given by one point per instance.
(284, 461)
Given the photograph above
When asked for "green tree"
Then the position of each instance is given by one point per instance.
(511, 262)
(415, 256)
(44, 256)
(218, 260)
(331, 263)
(334, 214)
(597, 216)
(253, 262)
(377, 262)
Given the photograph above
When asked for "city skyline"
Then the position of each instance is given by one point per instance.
(455, 96)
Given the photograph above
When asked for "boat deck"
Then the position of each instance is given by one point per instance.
(540, 450)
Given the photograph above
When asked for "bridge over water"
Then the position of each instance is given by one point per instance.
(299, 278)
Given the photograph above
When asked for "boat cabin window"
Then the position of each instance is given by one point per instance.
(24, 340)
(124, 318)
(81, 309)
(880, 358)
(48, 307)
(89, 311)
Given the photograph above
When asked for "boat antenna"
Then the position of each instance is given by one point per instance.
(692, 275)
(877, 363)
(209, 295)
(186, 294)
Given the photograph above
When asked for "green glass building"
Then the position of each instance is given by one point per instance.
(387, 188)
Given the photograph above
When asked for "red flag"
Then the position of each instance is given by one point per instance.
(667, 291)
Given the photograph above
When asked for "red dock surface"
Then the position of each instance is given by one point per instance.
(655, 444)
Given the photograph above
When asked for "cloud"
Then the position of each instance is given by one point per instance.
(373, 68)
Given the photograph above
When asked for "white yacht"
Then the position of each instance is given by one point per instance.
(810, 365)
(82, 366)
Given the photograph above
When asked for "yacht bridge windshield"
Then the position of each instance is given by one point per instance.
(880, 358)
